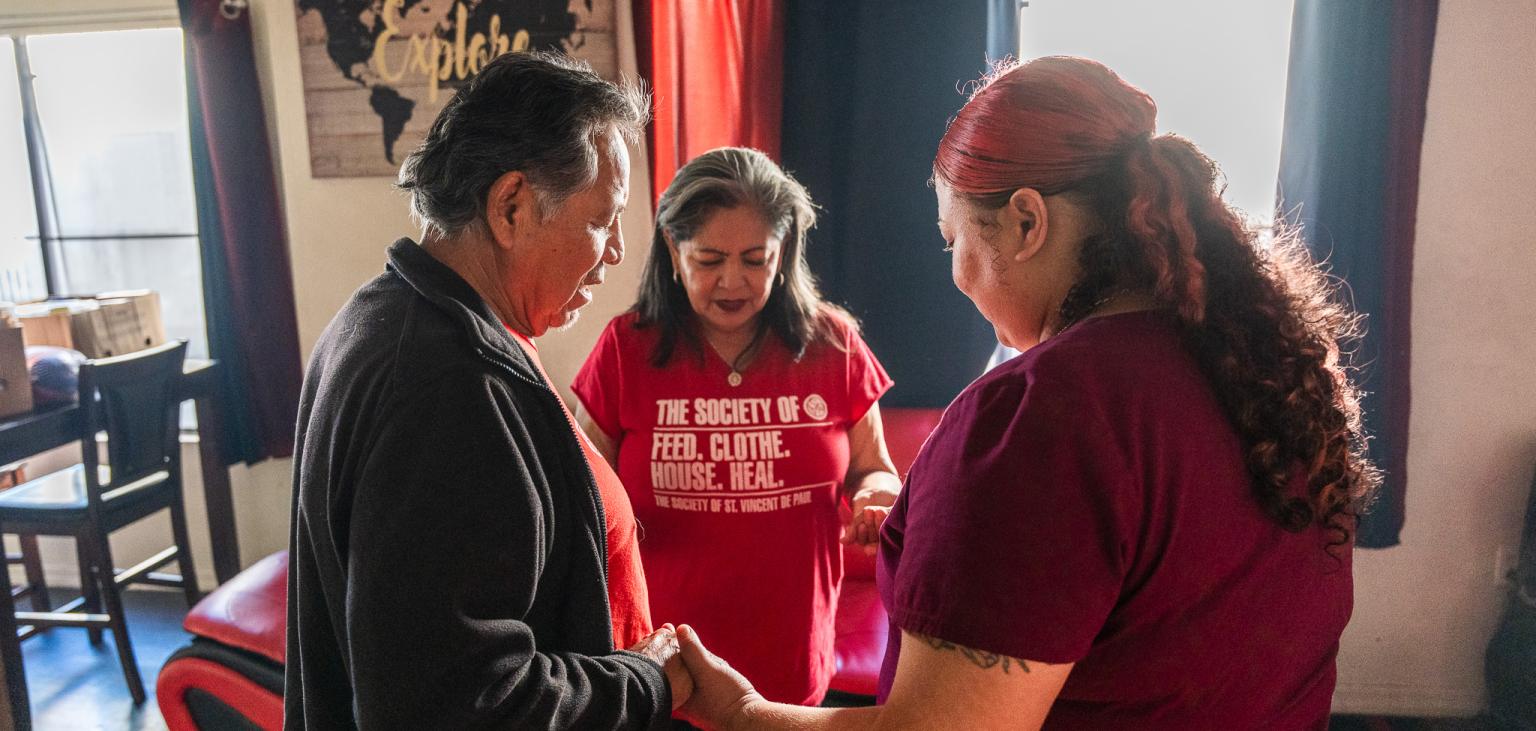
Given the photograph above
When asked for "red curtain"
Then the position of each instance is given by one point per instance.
(717, 71)
(247, 282)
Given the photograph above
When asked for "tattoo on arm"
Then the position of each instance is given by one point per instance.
(980, 658)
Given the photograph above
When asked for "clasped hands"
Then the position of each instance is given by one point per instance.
(870, 507)
(706, 691)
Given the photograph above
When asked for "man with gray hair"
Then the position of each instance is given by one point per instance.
(458, 558)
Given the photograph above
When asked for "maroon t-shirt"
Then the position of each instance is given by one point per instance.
(1087, 502)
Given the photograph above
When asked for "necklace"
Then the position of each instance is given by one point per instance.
(1092, 307)
(741, 360)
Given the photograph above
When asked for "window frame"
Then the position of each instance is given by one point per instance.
(38, 20)
(50, 237)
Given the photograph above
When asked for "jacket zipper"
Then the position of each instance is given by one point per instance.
(592, 490)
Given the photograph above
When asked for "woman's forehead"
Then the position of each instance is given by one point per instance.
(735, 230)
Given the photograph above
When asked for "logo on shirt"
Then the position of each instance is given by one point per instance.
(727, 455)
(815, 407)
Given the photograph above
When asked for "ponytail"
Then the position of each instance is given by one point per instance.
(1261, 321)
(1265, 328)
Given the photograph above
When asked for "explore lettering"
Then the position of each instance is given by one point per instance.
(436, 58)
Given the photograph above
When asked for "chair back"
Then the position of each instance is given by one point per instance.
(134, 398)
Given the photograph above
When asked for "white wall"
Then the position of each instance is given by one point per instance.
(1424, 610)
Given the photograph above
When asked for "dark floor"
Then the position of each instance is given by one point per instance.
(1381, 723)
(76, 686)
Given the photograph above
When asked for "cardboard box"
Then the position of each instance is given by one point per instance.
(131, 320)
(46, 326)
(15, 386)
(110, 328)
(113, 323)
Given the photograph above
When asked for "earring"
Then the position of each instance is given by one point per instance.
(781, 278)
(676, 279)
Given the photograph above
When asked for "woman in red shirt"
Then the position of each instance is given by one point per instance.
(1144, 521)
(740, 412)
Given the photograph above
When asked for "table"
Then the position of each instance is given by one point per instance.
(37, 432)
(30, 434)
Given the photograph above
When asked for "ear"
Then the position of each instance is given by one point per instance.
(677, 264)
(1025, 219)
(509, 204)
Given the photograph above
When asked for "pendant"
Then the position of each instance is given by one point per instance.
(734, 379)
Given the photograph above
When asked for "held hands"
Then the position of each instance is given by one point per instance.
(662, 648)
(871, 506)
(705, 690)
(721, 696)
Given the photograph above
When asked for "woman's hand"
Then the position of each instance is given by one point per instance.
(662, 648)
(720, 694)
(871, 482)
(871, 505)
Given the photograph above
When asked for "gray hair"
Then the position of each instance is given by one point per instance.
(720, 179)
(535, 112)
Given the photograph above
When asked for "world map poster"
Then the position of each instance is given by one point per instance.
(376, 72)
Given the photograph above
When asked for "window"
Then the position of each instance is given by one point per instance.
(1217, 69)
(101, 198)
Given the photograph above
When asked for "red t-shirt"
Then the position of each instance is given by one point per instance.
(737, 490)
(1087, 502)
(627, 601)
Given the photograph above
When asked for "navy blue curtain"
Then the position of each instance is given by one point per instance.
(1349, 172)
(247, 282)
(868, 91)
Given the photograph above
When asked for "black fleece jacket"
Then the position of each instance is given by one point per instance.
(447, 566)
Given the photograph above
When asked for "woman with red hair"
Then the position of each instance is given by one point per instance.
(1145, 521)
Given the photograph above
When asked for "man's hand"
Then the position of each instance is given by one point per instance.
(720, 694)
(871, 506)
(662, 647)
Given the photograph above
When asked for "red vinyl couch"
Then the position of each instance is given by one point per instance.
(862, 629)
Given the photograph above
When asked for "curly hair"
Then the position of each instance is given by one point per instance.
(1261, 320)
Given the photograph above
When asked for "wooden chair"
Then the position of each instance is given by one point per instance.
(134, 399)
(30, 557)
